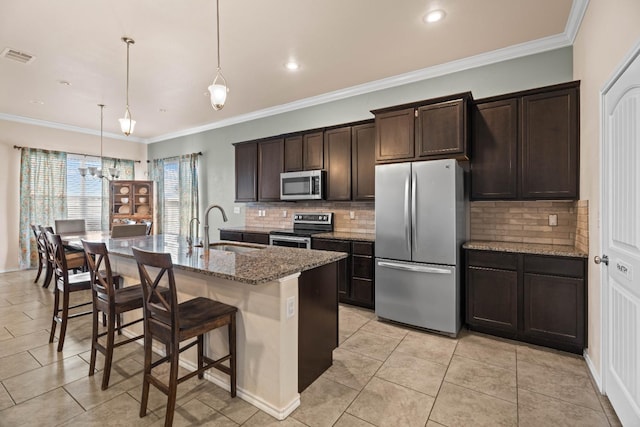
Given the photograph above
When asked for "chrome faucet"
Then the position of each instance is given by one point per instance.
(190, 240)
(206, 224)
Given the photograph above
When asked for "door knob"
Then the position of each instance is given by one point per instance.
(604, 259)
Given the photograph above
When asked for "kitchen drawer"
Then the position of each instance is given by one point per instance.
(362, 248)
(362, 291)
(235, 236)
(362, 266)
(331, 245)
(556, 266)
(490, 259)
(261, 238)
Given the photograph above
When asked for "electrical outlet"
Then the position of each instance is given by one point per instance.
(259, 212)
(284, 214)
(236, 209)
(553, 220)
(291, 307)
(352, 215)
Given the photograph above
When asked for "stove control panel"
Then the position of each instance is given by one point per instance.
(324, 218)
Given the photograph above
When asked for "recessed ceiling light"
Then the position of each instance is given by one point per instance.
(434, 16)
(163, 110)
(292, 65)
(37, 102)
(64, 83)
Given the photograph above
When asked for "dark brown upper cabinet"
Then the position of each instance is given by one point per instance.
(494, 170)
(526, 145)
(363, 159)
(304, 152)
(549, 145)
(270, 165)
(246, 159)
(337, 155)
(431, 129)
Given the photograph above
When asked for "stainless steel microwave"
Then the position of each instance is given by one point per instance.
(304, 185)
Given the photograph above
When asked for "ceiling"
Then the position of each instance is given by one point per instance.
(340, 45)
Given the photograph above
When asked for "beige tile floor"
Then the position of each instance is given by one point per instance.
(383, 375)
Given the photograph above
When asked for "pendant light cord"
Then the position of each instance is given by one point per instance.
(218, 29)
(128, 44)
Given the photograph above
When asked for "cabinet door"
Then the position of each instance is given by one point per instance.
(363, 162)
(395, 135)
(492, 299)
(270, 166)
(262, 238)
(337, 154)
(235, 236)
(343, 268)
(554, 310)
(495, 156)
(549, 145)
(441, 130)
(246, 167)
(293, 153)
(312, 151)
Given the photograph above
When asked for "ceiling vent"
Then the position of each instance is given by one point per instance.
(18, 56)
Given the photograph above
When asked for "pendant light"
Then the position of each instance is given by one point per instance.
(218, 88)
(127, 123)
(95, 171)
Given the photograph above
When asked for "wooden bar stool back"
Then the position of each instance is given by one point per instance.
(42, 253)
(65, 284)
(171, 322)
(112, 300)
(75, 259)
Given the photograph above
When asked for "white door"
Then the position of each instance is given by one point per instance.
(621, 240)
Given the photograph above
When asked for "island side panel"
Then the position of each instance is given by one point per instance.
(318, 326)
(267, 342)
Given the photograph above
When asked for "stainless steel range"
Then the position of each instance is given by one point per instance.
(304, 226)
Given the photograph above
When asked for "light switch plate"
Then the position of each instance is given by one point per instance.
(236, 209)
(352, 215)
(291, 307)
(553, 220)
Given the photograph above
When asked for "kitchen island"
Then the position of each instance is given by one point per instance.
(287, 310)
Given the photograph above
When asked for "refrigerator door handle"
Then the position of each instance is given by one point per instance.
(415, 268)
(414, 217)
(407, 219)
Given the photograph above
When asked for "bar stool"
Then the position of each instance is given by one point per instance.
(65, 283)
(170, 323)
(42, 253)
(75, 260)
(112, 300)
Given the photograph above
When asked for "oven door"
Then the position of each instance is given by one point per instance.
(290, 241)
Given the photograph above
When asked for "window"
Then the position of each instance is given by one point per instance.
(171, 219)
(84, 194)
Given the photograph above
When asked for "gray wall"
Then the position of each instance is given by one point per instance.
(217, 163)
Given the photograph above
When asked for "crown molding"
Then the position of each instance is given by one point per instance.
(68, 128)
(511, 52)
(578, 10)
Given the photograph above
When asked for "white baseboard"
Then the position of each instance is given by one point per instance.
(278, 413)
(594, 374)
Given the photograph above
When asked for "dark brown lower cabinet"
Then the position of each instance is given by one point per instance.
(534, 298)
(355, 285)
(243, 236)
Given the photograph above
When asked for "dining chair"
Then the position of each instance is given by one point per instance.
(42, 253)
(75, 260)
(128, 230)
(112, 300)
(65, 285)
(170, 322)
(65, 226)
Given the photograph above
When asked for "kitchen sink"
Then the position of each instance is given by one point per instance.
(231, 247)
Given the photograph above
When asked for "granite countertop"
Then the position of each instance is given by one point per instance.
(249, 229)
(338, 235)
(346, 235)
(254, 267)
(526, 248)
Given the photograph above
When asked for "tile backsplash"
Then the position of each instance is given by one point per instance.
(280, 215)
(502, 221)
(525, 222)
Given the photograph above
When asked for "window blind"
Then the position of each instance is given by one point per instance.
(171, 220)
(84, 194)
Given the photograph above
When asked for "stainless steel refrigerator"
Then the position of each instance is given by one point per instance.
(420, 227)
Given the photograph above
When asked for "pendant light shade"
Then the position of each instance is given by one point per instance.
(218, 89)
(127, 124)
